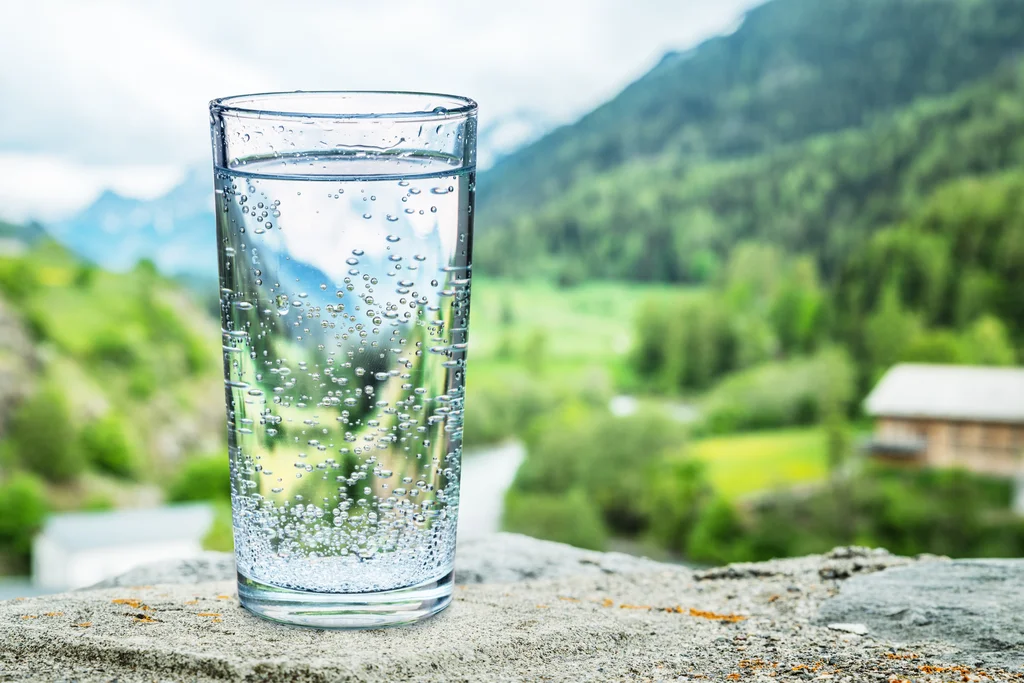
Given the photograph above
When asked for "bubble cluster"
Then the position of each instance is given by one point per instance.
(345, 371)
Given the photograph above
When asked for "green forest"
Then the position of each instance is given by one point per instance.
(743, 242)
(835, 188)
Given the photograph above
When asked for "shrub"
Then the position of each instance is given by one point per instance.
(908, 512)
(718, 536)
(625, 455)
(779, 394)
(503, 407)
(610, 458)
(987, 342)
(569, 517)
(112, 346)
(85, 275)
(220, 537)
(105, 445)
(202, 478)
(934, 346)
(44, 438)
(18, 278)
(23, 509)
(678, 492)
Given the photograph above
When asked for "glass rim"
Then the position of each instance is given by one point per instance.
(236, 105)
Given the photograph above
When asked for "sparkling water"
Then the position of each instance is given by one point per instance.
(345, 288)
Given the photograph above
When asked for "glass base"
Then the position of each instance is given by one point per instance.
(346, 610)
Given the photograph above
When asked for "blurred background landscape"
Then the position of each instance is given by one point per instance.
(683, 291)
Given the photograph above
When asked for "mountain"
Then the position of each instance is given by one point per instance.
(510, 132)
(176, 231)
(670, 219)
(27, 234)
(793, 69)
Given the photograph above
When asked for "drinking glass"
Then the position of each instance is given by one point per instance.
(344, 226)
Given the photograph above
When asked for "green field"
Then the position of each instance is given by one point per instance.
(538, 326)
(748, 463)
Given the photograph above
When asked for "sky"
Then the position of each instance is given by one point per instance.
(98, 94)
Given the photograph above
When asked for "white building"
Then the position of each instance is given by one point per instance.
(78, 549)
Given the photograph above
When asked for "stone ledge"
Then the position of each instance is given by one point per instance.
(498, 558)
(586, 617)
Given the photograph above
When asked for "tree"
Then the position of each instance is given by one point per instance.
(202, 478)
(986, 342)
(888, 331)
(933, 346)
(569, 517)
(44, 437)
(23, 508)
(678, 492)
(718, 535)
(105, 444)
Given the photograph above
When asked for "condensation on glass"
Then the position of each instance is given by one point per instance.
(344, 226)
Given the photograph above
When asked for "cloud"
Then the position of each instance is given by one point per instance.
(48, 187)
(121, 83)
(105, 82)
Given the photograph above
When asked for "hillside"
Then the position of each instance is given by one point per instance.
(794, 69)
(107, 381)
(670, 220)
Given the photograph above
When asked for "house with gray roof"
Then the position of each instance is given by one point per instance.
(78, 549)
(950, 416)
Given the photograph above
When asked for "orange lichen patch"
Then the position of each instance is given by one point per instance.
(702, 614)
(607, 602)
(929, 669)
(625, 606)
(964, 671)
(133, 602)
(560, 597)
(20, 599)
(144, 619)
(896, 655)
(191, 602)
(84, 624)
(757, 664)
(734, 676)
(224, 597)
(543, 607)
(208, 614)
(773, 598)
(217, 620)
(54, 614)
(896, 679)
(29, 616)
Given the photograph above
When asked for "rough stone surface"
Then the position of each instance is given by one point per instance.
(496, 558)
(617, 620)
(208, 566)
(976, 604)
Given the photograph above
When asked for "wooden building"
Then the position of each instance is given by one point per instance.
(950, 416)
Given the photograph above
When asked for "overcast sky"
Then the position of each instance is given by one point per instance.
(113, 93)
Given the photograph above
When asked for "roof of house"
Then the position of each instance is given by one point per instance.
(951, 392)
(82, 530)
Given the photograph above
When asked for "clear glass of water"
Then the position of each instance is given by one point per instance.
(345, 227)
